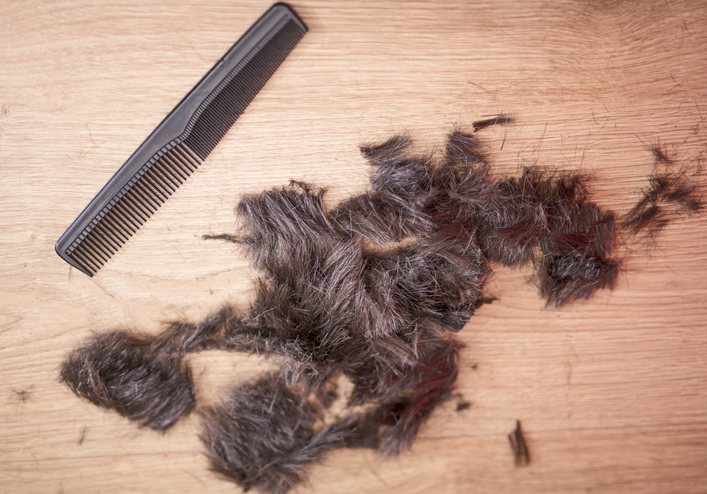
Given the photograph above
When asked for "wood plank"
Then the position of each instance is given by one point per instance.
(611, 392)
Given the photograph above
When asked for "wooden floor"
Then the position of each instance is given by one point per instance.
(611, 393)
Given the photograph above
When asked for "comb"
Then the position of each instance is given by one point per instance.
(176, 148)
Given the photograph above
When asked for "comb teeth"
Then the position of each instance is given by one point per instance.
(132, 206)
(235, 93)
(181, 142)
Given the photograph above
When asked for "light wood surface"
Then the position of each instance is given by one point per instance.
(612, 392)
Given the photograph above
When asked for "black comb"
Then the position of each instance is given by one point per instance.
(181, 142)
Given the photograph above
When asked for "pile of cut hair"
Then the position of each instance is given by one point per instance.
(372, 290)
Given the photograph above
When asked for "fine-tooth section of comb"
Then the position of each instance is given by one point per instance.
(235, 94)
(179, 144)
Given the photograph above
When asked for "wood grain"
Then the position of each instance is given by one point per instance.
(612, 392)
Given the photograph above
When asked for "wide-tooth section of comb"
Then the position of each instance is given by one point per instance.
(132, 206)
(181, 142)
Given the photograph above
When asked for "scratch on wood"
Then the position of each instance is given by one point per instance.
(699, 112)
(676, 83)
(540, 141)
(374, 471)
(106, 291)
(9, 324)
(521, 457)
(595, 118)
(684, 24)
(90, 134)
(191, 45)
(480, 87)
(610, 57)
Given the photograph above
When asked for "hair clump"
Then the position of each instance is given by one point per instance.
(371, 290)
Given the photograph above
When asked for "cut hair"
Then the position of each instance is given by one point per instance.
(133, 376)
(671, 191)
(373, 290)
